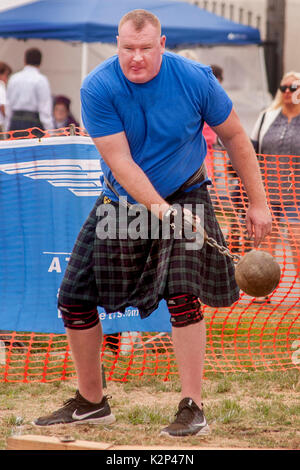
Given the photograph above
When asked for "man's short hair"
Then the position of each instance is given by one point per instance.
(5, 68)
(217, 71)
(33, 57)
(139, 19)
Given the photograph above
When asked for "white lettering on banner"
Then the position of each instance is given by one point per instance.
(130, 312)
(81, 177)
(55, 265)
(112, 316)
(57, 261)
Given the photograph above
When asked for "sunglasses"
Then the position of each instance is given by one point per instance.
(292, 88)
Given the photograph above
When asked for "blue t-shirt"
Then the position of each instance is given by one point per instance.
(162, 119)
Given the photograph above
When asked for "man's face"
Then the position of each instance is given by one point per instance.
(140, 52)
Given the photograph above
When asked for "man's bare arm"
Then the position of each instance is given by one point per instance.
(115, 151)
(244, 161)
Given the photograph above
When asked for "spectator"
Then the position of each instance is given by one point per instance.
(276, 132)
(62, 112)
(5, 72)
(189, 54)
(29, 97)
(218, 72)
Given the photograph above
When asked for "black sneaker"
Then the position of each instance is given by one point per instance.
(78, 411)
(190, 421)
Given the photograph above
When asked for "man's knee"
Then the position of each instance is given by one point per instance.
(80, 316)
(185, 309)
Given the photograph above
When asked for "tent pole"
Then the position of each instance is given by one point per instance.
(264, 76)
(84, 61)
(84, 66)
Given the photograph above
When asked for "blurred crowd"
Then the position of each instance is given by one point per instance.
(26, 100)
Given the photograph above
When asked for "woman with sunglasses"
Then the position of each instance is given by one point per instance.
(276, 135)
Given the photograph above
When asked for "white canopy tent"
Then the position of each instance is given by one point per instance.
(6, 4)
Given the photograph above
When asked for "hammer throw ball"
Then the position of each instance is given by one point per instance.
(257, 273)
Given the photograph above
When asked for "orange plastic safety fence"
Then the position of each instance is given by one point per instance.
(35, 132)
(252, 334)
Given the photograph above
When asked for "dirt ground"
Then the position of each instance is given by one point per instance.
(142, 411)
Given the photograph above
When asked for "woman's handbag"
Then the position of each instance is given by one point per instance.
(255, 143)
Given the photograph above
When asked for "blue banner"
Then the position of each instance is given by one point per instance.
(47, 189)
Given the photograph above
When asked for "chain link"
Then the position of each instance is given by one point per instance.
(223, 250)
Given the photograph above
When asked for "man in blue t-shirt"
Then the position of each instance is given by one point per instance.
(162, 118)
(145, 109)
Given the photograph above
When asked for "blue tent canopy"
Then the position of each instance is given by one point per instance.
(97, 21)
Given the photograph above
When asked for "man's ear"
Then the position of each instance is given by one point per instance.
(162, 43)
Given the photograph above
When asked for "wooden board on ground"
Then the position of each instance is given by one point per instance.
(35, 442)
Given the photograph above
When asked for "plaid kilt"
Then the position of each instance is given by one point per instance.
(117, 273)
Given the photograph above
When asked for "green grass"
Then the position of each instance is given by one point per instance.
(223, 386)
(143, 414)
(250, 410)
(228, 411)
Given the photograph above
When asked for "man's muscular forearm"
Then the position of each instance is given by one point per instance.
(132, 178)
(116, 154)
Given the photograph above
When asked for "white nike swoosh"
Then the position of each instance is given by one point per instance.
(201, 424)
(85, 415)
